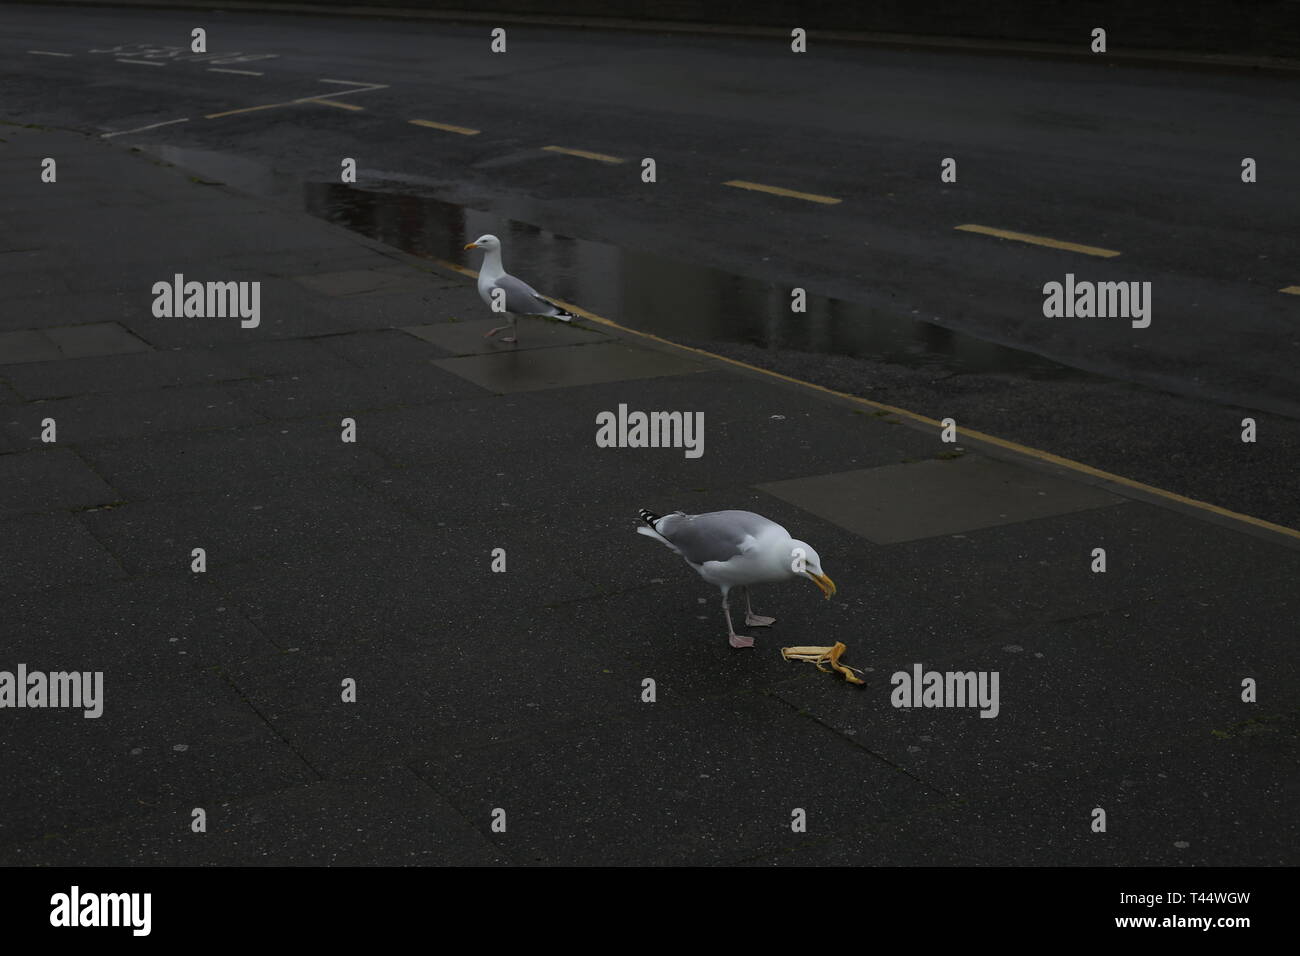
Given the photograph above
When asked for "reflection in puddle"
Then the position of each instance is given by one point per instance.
(677, 300)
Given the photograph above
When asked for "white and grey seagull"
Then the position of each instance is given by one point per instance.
(736, 549)
(519, 297)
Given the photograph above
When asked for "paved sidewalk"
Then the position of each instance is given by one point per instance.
(522, 690)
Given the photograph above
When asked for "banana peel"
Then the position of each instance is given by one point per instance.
(825, 655)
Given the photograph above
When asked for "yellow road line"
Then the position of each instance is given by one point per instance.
(1039, 240)
(1290, 289)
(338, 105)
(251, 109)
(455, 267)
(1036, 453)
(301, 99)
(584, 154)
(463, 130)
(781, 191)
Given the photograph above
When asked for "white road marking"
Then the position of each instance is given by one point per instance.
(139, 62)
(348, 82)
(217, 69)
(47, 53)
(141, 129)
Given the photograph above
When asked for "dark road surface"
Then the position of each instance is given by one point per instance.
(1143, 162)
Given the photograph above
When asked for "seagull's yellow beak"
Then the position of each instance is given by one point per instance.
(471, 245)
(823, 582)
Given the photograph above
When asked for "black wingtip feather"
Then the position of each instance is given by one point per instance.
(649, 517)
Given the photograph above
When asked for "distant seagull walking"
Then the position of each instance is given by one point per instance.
(520, 297)
(737, 549)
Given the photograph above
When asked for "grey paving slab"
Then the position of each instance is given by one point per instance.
(465, 337)
(182, 464)
(150, 624)
(74, 341)
(1118, 692)
(404, 583)
(527, 370)
(48, 479)
(351, 391)
(114, 415)
(705, 783)
(120, 373)
(361, 282)
(500, 452)
(179, 738)
(26, 346)
(927, 498)
(50, 551)
(278, 522)
(382, 348)
(1042, 569)
(276, 356)
(27, 311)
(383, 818)
(1202, 809)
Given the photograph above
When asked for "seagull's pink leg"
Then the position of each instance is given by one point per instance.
(755, 620)
(736, 640)
(509, 340)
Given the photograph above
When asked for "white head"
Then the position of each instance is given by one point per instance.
(488, 243)
(805, 562)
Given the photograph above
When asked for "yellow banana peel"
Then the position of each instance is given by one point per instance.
(824, 655)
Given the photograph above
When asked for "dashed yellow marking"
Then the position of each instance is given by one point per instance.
(1039, 240)
(782, 191)
(463, 130)
(1036, 453)
(1290, 289)
(337, 105)
(584, 154)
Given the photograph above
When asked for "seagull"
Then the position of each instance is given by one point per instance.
(520, 298)
(737, 549)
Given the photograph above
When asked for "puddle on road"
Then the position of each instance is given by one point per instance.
(678, 300)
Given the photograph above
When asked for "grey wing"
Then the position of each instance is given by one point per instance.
(716, 536)
(523, 298)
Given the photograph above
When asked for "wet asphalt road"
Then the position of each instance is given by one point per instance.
(1145, 162)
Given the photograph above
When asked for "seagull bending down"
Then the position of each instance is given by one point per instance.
(519, 297)
(737, 549)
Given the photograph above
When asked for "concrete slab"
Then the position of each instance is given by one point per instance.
(382, 817)
(111, 415)
(62, 342)
(350, 391)
(47, 551)
(707, 782)
(383, 348)
(361, 282)
(530, 370)
(466, 337)
(925, 499)
(120, 373)
(226, 458)
(181, 738)
(47, 479)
